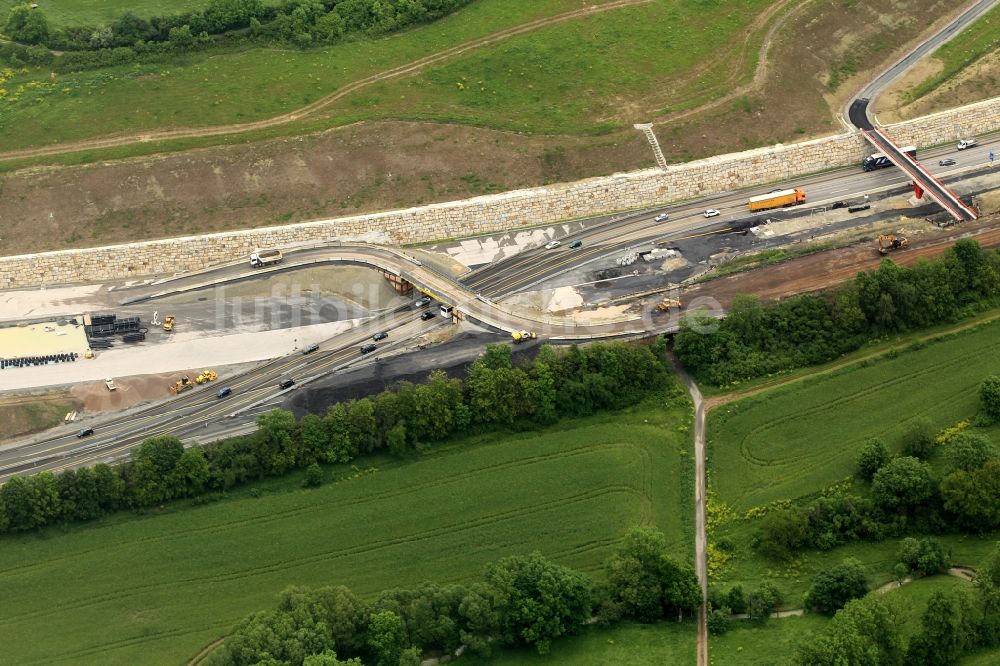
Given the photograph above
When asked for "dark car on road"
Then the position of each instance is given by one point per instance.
(368, 349)
(223, 392)
(381, 335)
(86, 432)
(946, 162)
(286, 384)
(310, 349)
(575, 244)
(427, 315)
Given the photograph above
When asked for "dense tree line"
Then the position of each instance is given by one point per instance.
(755, 340)
(869, 630)
(522, 600)
(223, 22)
(403, 420)
(905, 495)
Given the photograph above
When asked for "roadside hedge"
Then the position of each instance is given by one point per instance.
(403, 420)
(755, 340)
(226, 23)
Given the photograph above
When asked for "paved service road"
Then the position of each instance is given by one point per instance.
(865, 98)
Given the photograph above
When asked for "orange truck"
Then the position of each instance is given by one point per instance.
(777, 199)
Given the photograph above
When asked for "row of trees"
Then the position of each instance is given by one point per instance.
(129, 37)
(755, 340)
(524, 600)
(404, 420)
(905, 492)
(869, 630)
(757, 605)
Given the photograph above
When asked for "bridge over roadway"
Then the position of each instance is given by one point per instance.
(923, 180)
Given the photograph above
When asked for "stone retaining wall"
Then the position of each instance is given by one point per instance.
(497, 212)
(948, 126)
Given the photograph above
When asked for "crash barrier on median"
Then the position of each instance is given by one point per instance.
(29, 361)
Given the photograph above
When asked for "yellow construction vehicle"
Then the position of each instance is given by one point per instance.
(207, 376)
(168, 323)
(667, 303)
(181, 385)
(888, 243)
(523, 336)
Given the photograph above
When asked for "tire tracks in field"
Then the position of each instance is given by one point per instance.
(369, 546)
(337, 503)
(205, 651)
(839, 402)
(310, 109)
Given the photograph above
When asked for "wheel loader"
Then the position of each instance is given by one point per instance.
(206, 376)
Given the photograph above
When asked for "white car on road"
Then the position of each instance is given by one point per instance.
(660, 218)
(966, 143)
(551, 245)
(711, 212)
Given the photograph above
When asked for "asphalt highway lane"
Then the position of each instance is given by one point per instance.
(190, 411)
(193, 409)
(537, 265)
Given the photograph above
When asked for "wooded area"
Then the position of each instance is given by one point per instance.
(755, 340)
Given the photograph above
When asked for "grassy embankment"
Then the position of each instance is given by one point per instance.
(791, 442)
(154, 589)
(572, 77)
(979, 39)
(22, 416)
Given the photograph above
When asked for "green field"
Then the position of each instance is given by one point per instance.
(572, 77)
(63, 13)
(627, 643)
(155, 589)
(769, 644)
(793, 441)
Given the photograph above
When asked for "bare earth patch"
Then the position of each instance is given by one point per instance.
(95, 396)
(974, 83)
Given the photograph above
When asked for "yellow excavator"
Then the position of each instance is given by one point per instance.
(206, 376)
(667, 303)
(889, 243)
